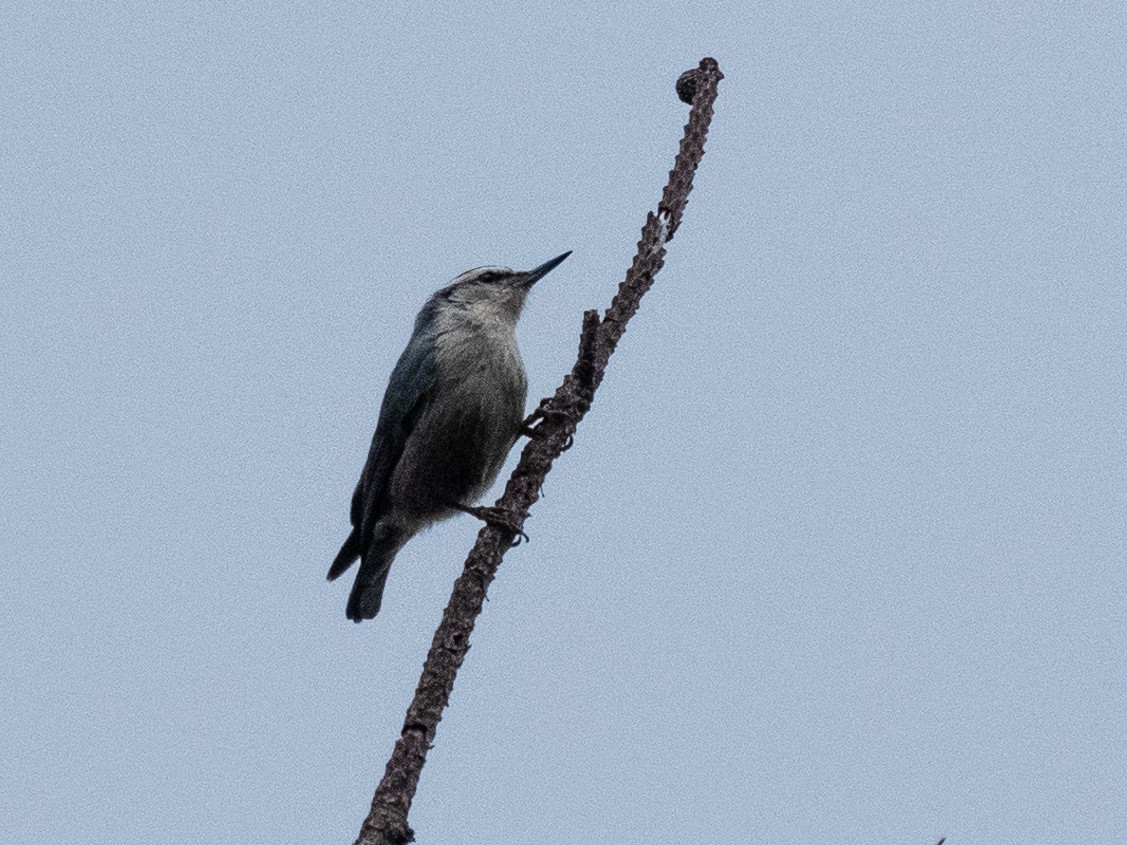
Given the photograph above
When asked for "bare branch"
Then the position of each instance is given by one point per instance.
(555, 422)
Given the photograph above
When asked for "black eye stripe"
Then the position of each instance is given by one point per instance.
(482, 277)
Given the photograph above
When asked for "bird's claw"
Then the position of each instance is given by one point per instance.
(534, 422)
(528, 427)
(501, 517)
(544, 411)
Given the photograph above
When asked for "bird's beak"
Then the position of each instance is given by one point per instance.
(533, 276)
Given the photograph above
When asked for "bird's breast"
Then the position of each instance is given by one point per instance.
(482, 361)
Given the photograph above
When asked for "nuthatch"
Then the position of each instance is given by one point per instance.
(453, 408)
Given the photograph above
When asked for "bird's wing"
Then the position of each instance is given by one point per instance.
(408, 392)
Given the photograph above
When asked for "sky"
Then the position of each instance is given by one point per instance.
(838, 554)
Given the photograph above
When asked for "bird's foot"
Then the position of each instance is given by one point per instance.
(529, 427)
(501, 517)
(542, 412)
(532, 425)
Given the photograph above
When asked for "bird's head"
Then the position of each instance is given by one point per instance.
(495, 291)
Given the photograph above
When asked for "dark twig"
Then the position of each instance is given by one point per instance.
(555, 421)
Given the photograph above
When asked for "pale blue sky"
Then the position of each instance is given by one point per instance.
(838, 554)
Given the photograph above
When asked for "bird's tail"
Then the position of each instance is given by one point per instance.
(346, 556)
(367, 590)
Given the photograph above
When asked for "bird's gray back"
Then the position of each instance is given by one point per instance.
(408, 392)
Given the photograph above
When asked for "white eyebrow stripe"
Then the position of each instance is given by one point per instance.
(478, 272)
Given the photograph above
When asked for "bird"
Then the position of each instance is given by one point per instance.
(453, 408)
